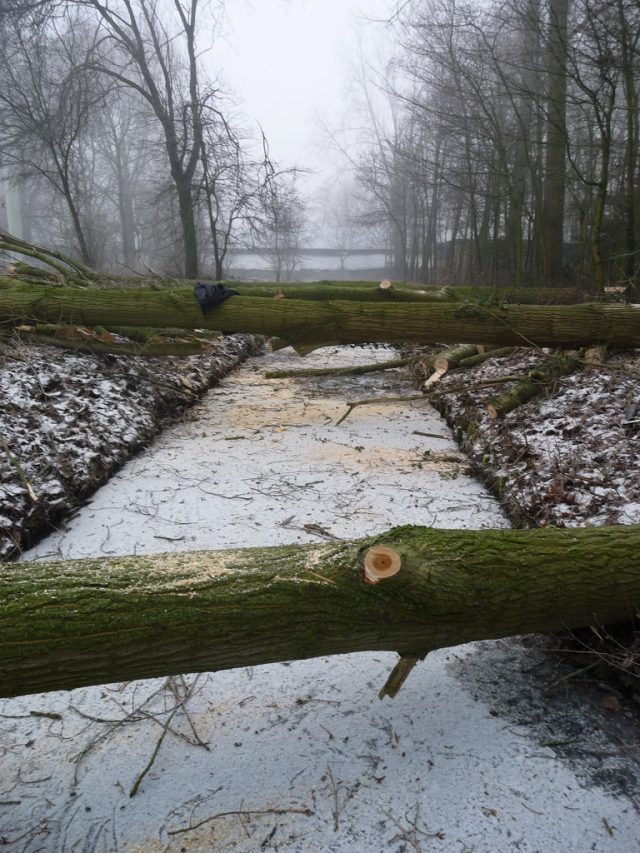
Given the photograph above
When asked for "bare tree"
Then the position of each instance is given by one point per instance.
(144, 48)
(279, 221)
(47, 107)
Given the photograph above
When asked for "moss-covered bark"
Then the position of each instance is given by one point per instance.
(73, 623)
(322, 323)
(537, 380)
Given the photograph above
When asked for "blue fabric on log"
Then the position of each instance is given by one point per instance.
(210, 295)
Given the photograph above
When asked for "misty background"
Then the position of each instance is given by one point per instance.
(480, 142)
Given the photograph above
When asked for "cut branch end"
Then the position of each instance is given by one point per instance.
(381, 563)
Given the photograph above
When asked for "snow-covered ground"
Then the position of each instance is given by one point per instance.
(482, 750)
(68, 421)
(568, 457)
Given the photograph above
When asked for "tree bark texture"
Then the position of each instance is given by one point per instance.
(556, 141)
(402, 292)
(80, 622)
(325, 323)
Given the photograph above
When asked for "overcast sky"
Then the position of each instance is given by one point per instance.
(288, 60)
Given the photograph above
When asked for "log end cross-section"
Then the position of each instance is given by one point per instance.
(381, 563)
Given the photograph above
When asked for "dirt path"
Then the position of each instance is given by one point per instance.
(471, 756)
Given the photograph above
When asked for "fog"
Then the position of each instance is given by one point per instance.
(491, 143)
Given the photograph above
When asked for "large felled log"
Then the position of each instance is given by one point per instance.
(94, 345)
(324, 323)
(450, 358)
(406, 292)
(73, 623)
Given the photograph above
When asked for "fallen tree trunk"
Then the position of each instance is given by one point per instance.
(92, 344)
(325, 323)
(406, 292)
(555, 367)
(80, 622)
(450, 358)
(340, 290)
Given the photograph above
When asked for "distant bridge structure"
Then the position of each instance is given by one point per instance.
(312, 252)
(311, 263)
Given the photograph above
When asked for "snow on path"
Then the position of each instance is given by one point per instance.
(258, 459)
(300, 756)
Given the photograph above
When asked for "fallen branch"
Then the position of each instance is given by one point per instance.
(450, 358)
(557, 366)
(94, 346)
(337, 371)
(304, 810)
(78, 622)
(372, 401)
(471, 361)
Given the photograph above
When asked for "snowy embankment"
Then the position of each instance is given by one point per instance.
(68, 422)
(566, 458)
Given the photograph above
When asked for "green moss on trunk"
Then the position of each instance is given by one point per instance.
(73, 623)
(324, 323)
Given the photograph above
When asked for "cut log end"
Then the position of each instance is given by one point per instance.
(381, 563)
(595, 356)
(385, 285)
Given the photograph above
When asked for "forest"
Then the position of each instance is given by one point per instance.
(497, 145)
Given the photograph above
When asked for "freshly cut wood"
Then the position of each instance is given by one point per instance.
(499, 352)
(66, 624)
(358, 370)
(537, 380)
(449, 359)
(595, 356)
(381, 563)
(326, 323)
(435, 377)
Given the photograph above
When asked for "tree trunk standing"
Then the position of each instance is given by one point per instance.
(316, 324)
(556, 140)
(85, 254)
(629, 45)
(138, 32)
(601, 197)
(80, 622)
(187, 220)
(125, 206)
